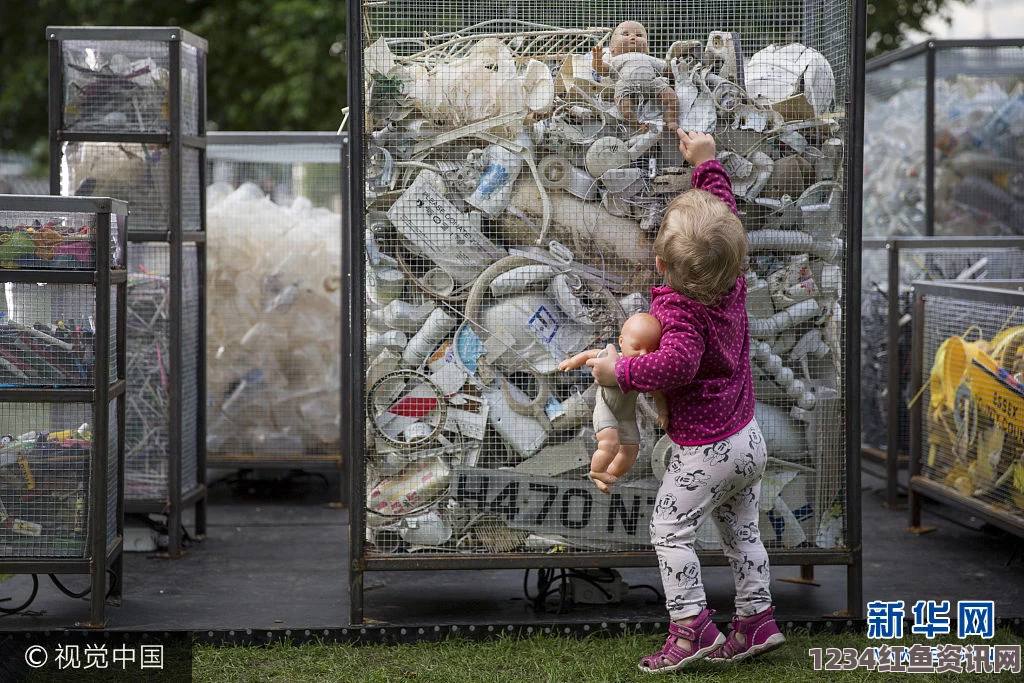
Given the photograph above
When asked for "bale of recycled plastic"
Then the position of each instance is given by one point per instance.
(274, 313)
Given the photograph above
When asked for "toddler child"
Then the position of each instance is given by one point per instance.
(702, 365)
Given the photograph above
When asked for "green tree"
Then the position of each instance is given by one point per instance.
(890, 21)
(270, 65)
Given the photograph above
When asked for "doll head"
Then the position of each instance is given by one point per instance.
(641, 334)
(629, 36)
(701, 248)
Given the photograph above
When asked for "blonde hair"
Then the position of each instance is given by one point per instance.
(703, 246)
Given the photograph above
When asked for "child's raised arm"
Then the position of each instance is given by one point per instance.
(708, 173)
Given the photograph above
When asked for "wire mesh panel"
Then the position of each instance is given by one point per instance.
(979, 140)
(120, 80)
(917, 261)
(150, 336)
(971, 431)
(138, 173)
(191, 349)
(44, 479)
(894, 149)
(971, 146)
(47, 335)
(113, 475)
(273, 278)
(518, 165)
(116, 85)
(43, 241)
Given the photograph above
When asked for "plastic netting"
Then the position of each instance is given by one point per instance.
(518, 165)
(273, 283)
(972, 369)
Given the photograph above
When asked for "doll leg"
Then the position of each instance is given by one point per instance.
(621, 463)
(670, 103)
(607, 449)
(623, 460)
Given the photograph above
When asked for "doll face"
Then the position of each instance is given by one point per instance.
(629, 36)
(641, 335)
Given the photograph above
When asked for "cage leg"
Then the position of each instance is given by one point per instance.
(117, 567)
(174, 532)
(201, 518)
(914, 506)
(806, 576)
(97, 596)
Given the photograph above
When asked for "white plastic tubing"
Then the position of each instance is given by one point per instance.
(829, 250)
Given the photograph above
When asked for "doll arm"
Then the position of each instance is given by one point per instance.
(661, 403)
(675, 362)
(579, 360)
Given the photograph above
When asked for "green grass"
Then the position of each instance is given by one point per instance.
(539, 658)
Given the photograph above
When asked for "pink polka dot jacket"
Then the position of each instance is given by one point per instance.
(703, 362)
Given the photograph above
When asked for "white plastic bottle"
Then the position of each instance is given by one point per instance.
(494, 190)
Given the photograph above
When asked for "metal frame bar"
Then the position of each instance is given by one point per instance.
(175, 236)
(1000, 292)
(328, 139)
(62, 204)
(353, 377)
(102, 551)
(199, 239)
(912, 51)
(274, 138)
(169, 34)
(851, 348)
(929, 140)
(352, 316)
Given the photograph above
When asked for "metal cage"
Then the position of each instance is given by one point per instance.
(889, 268)
(62, 400)
(506, 189)
(274, 207)
(966, 435)
(944, 153)
(128, 119)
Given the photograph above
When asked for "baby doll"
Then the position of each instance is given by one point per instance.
(639, 76)
(618, 438)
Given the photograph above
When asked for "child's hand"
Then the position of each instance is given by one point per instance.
(603, 367)
(696, 148)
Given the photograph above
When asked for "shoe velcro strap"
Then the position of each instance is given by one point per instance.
(682, 632)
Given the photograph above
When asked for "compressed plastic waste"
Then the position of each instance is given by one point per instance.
(272, 336)
(978, 126)
(510, 224)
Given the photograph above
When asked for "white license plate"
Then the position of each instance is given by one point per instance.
(571, 508)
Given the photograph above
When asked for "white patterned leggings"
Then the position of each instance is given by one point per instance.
(723, 480)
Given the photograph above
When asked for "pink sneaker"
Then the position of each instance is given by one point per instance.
(760, 634)
(704, 638)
